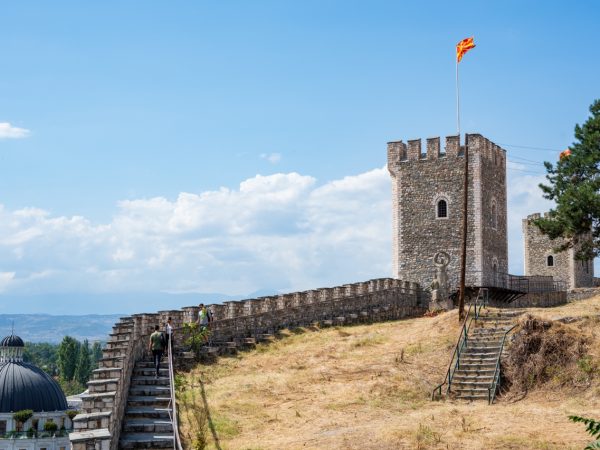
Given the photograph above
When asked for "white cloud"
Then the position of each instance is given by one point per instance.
(273, 158)
(8, 131)
(283, 231)
(5, 280)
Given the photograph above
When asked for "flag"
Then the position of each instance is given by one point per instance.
(463, 47)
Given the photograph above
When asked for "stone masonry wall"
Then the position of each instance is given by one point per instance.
(98, 425)
(419, 180)
(538, 247)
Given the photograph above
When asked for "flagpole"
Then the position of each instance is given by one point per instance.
(457, 105)
(463, 256)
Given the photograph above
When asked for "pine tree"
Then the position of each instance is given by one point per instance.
(574, 184)
(83, 368)
(68, 352)
(96, 353)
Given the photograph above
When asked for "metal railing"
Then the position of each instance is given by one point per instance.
(480, 301)
(173, 402)
(519, 283)
(493, 387)
(37, 434)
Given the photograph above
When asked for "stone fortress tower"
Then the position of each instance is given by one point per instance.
(427, 205)
(541, 259)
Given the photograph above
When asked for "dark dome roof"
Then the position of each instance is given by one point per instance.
(24, 386)
(12, 341)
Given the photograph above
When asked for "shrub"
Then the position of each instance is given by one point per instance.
(50, 427)
(23, 416)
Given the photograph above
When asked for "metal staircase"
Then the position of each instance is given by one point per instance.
(474, 370)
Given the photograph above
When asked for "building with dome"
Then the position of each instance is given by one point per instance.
(26, 387)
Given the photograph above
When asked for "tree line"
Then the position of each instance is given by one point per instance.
(71, 362)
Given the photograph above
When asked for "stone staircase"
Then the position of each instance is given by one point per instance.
(147, 421)
(475, 376)
(92, 425)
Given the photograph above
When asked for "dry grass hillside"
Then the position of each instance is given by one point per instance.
(369, 387)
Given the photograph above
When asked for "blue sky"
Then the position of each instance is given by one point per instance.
(230, 147)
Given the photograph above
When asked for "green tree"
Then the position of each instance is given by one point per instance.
(574, 184)
(43, 355)
(96, 353)
(68, 351)
(83, 369)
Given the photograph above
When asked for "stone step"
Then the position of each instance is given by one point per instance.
(150, 380)
(100, 401)
(120, 336)
(469, 365)
(148, 400)
(476, 354)
(141, 412)
(475, 378)
(492, 318)
(147, 371)
(112, 361)
(103, 385)
(110, 352)
(472, 351)
(266, 338)
(209, 350)
(147, 425)
(474, 372)
(464, 384)
(478, 341)
(149, 389)
(88, 421)
(107, 372)
(101, 434)
(116, 344)
(483, 396)
(150, 363)
(146, 440)
(486, 359)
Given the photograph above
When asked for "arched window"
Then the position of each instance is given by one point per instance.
(442, 209)
(494, 215)
(550, 261)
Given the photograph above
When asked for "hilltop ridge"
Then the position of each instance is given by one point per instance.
(369, 387)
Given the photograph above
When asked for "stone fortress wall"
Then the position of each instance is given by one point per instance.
(98, 426)
(538, 247)
(420, 179)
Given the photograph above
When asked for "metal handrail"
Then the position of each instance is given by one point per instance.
(495, 379)
(172, 401)
(461, 343)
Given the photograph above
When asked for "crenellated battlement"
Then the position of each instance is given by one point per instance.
(400, 152)
(236, 323)
(534, 216)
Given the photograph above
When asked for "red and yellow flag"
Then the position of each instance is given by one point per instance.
(463, 47)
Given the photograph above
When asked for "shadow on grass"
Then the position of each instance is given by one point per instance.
(211, 424)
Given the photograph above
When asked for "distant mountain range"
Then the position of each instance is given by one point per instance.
(88, 316)
(48, 328)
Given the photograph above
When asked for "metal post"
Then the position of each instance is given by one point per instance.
(463, 259)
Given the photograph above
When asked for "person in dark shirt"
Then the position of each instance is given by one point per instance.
(156, 347)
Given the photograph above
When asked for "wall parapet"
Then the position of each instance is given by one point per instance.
(99, 423)
(400, 152)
